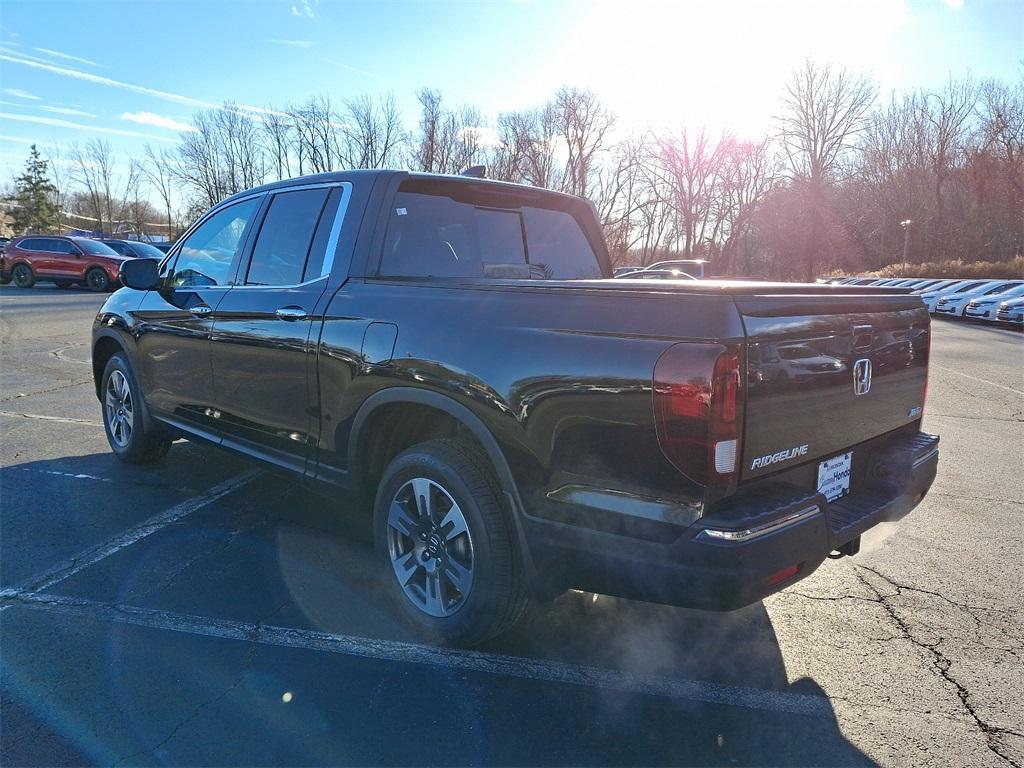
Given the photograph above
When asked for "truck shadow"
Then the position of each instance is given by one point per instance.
(273, 549)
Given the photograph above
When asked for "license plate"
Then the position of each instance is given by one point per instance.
(834, 476)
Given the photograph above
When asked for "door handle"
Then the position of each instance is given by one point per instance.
(291, 313)
(202, 309)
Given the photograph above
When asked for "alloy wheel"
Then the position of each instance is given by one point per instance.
(97, 280)
(22, 276)
(119, 409)
(430, 547)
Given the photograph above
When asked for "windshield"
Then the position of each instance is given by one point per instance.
(147, 250)
(94, 248)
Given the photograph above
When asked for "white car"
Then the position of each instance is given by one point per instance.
(936, 286)
(1011, 313)
(984, 307)
(955, 305)
(931, 297)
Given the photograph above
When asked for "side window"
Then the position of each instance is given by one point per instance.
(47, 244)
(282, 247)
(62, 246)
(31, 244)
(206, 256)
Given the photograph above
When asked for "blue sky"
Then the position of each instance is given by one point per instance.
(134, 72)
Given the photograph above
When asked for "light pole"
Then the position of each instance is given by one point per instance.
(906, 224)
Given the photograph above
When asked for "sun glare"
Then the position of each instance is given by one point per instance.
(713, 63)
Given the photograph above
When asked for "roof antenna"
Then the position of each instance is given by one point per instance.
(475, 172)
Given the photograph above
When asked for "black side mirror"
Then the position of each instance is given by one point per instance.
(140, 274)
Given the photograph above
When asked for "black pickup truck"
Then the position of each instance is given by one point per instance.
(455, 352)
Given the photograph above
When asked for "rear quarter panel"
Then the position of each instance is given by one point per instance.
(561, 377)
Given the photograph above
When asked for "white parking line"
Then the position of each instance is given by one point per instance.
(72, 475)
(977, 378)
(412, 653)
(41, 417)
(83, 560)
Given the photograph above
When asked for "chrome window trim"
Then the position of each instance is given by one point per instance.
(734, 537)
(240, 286)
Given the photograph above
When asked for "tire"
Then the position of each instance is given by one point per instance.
(96, 280)
(23, 276)
(133, 436)
(463, 578)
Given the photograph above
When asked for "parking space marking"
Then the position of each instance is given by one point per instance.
(451, 658)
(83, 560)
(41, 417)
(977, 378)
(72, 475)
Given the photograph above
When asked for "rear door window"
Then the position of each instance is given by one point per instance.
(283, 245)
(62, 246)
(206, 257)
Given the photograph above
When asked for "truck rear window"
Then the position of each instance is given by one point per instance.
(433, 235)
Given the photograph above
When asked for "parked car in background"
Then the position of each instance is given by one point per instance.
(135, 249)
(984, 307)
(655, 274)
(65, 261)
(163, 247)
(938, 285)
(956, 305)
(931, 298)
(1011, 313)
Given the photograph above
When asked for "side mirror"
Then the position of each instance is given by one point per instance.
(140, 274)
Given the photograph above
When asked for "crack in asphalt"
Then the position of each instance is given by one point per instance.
(247, 663)
(46, 391)
(940, 662)
(226, 543)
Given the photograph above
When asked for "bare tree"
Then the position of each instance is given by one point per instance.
(223, 155)
(584, 123)
(824, 112)
(159, 170)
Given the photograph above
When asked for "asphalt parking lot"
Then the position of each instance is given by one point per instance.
(206, 611)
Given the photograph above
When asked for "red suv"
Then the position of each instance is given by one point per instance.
(61, 260)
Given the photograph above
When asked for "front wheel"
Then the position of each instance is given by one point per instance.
(96, 280)
(132, 436)
(445, 540)
(23, 276)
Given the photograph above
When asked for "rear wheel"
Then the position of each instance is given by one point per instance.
(96, 280)
(447, 545)
(133, 437)
(22, 276)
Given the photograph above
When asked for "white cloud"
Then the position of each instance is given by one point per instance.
(78, 74)
(304, 8)
(57, 123)
(293, 43)
(20, 94)
(17, 139)
(67, 56)
(66, 111)
(150, 118)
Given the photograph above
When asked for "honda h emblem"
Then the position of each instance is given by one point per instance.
(862, 376)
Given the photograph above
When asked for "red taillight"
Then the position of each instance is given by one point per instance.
(698, 410)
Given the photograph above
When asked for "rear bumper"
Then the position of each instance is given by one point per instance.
(749, 548)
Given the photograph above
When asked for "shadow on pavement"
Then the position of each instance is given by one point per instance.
(273, 553)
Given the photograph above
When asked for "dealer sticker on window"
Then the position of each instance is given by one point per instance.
(834, 476)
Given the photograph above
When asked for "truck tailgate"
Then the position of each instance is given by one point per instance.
(828, 372)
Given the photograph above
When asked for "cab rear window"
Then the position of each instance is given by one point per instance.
(431, 233)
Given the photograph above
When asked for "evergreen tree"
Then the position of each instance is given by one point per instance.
(34, 209)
